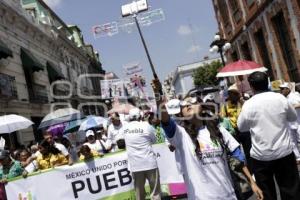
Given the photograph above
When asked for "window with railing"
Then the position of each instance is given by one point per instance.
(31, 11)
(223, 10)
(286, 45)
(40, 94)
(8, 87)
(263, 50)
(246, 51)
(236, 12)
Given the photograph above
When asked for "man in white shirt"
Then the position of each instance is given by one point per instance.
(95, 145)
(139, 137)
(114, 132)
(294, 100)
(267, 115)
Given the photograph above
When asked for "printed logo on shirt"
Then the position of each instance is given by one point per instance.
(133, 131)
(210, 153)
(212, 146)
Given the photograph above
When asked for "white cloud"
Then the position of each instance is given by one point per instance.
(184, 30)
(194, 48)
(53, 3)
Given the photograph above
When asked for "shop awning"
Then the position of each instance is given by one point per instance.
(54, 73)
(5, 51)
(30, 61)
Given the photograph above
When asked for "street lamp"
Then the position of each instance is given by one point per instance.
(219, 45)
(133, 9)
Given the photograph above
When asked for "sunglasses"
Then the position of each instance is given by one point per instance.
(189, 102)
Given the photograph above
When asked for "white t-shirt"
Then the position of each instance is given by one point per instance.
(139, 137)
(294, 99)
(96, 146)
(209, 177)
(267, 116)
(61, 148)
(114, 133)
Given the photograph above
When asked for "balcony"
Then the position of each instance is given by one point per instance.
(8, 87)
(40, 94)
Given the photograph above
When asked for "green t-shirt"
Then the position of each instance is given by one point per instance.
(160, 135)
(15, 170)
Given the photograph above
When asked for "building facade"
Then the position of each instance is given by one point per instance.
(181, 81)
(37, 50)
(266, 31)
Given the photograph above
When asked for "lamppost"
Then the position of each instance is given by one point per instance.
(133, 9)
(220, 45)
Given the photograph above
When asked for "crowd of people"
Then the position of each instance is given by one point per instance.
(56, 149)
(223, 151)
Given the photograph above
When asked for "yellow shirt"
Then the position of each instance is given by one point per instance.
(94, 153)
(232, 112)
(51, 160)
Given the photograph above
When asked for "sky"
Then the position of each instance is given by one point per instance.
(183, 37)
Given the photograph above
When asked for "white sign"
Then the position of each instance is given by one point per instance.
(115, 88)
(102, 178)
(134, 7)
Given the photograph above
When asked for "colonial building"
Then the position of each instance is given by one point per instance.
(37, 49)
(181, 81)
(266, 31)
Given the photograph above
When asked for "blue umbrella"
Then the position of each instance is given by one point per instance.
(73, 126)
(92, 122)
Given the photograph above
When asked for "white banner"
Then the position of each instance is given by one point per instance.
(102, 178)
(132, 69)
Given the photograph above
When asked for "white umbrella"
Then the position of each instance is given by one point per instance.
(11, 123)
(60, 113)
(60, 116)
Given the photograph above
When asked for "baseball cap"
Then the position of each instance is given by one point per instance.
(285, 85)
(89, 133)
(233, 88)
(134, 113)
(173, 107)
(4, 154)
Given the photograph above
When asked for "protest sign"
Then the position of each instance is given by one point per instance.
(115, 88)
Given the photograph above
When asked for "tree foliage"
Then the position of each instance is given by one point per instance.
(205, 75)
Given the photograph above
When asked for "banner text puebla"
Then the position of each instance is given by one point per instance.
(102, 178)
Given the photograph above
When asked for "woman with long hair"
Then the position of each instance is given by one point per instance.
(203, 146)
(50, 156)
